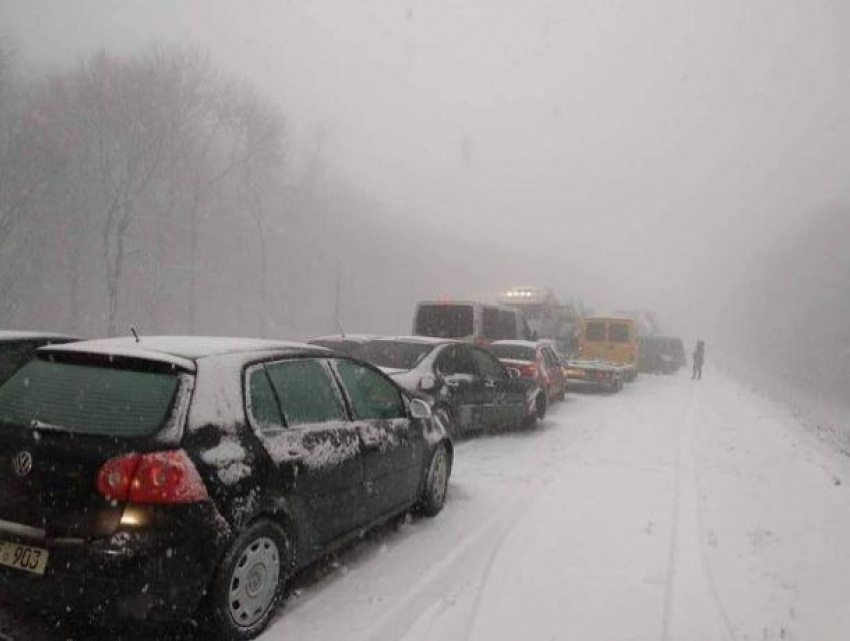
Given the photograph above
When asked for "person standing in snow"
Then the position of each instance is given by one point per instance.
(699, 359)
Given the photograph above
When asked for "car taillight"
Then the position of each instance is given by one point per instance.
(529, 370)
(157, 477)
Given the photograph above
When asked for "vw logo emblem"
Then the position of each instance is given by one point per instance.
(22, 463)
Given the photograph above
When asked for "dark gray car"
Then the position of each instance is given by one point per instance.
(469, 389)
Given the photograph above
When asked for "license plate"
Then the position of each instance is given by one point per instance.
(23, 557)
(575, 373)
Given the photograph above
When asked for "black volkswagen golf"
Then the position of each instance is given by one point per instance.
(157, 479)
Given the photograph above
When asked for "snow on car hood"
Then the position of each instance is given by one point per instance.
(407, 378)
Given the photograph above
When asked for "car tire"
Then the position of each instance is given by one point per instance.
(537, 413)
(541, 406)
(436, 482)
(249, 583)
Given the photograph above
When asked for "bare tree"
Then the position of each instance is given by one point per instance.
(118, 161)
(128, 120)
(28, 163)
(263, 134)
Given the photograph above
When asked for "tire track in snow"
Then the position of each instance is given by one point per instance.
(430, 596)
(472, 618)
(431, 587)
(678, 574)
(673, 551)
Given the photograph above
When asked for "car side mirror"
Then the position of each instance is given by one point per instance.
(428, 384)
(420, 410)
(513, 372)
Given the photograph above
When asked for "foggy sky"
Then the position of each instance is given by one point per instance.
(657, 145)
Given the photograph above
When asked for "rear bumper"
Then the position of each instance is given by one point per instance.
(154, 575)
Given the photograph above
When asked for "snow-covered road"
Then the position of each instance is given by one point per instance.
(675, 510)
(672, 511)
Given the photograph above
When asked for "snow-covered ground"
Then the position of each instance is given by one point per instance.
(673, 511)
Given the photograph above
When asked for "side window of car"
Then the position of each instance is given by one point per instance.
(526, 329)
(488, 366)
(464, 361)
(306, 391)
(491, 323)
(507, 325)
(262, 402)
(372, 396)
(445, 364)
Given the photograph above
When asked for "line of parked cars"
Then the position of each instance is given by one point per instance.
(155, 479)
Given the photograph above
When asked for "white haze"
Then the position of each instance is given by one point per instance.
(635, 154)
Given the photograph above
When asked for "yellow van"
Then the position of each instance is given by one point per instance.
(614, 340)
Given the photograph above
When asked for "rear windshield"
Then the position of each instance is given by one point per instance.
(394, 355)
(595, 331)
(87, 399)
(618, 332)
(13, 356)
(514, 352)
(445, 321)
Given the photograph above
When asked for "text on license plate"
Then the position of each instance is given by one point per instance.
(23, 557)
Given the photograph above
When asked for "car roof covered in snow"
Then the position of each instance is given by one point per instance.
(420, 340)
(181, 351)
(469, 303)
(7, 335)
(530, 344)
(355, 338)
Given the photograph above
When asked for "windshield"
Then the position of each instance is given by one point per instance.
(88, 399)
(394, 355)
(513, 352)
(445, 321)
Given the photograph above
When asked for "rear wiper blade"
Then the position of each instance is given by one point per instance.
(41, 426)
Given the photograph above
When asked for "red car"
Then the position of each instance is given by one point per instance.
(536, 361)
